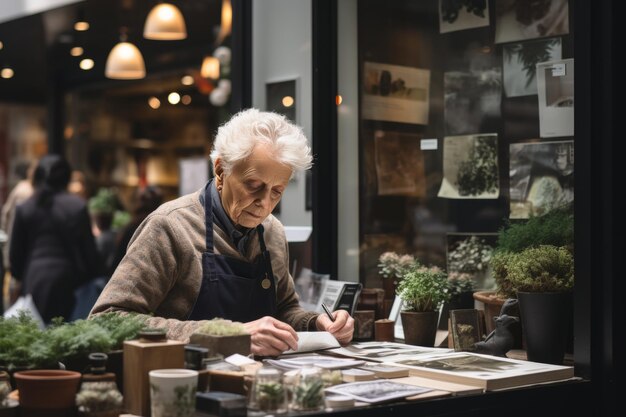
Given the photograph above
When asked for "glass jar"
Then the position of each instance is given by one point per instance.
(307, 391)
(268, 392)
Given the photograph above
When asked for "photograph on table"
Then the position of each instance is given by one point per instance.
(471, 100)
(555, 90)
(541, 177)
(522, 19)
(394, 93)
(457, 15)
(377, 390)
(519, 64)
(466, 329)
(399, 164)
(470, 167)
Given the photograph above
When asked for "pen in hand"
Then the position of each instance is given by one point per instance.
(328, 313)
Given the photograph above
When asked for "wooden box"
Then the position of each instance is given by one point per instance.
(141, 358)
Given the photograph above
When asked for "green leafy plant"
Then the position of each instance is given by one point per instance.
(460, 282)
(470, 255)
(392, 265)
(544, 268)
(221, 327)
(105, 201)
(23, 345)
(270, 395)
(424, 289)
(309, 394)
(554, 228)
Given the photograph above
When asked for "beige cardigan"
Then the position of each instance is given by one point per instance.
(161, 274)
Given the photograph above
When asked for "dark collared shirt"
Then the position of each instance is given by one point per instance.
(220, 218)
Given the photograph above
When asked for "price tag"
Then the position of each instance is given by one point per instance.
(558, 70)
(428, 144)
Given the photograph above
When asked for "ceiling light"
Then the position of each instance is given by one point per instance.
(165, 22)
(173, 98)
(86, 64)
(186, 99)
(226, 22)
(125, 62)
(210, 68)
(187, 80)
(287, 101)
(76, 51)
(7, 73)
(81, 26)
(154, 102)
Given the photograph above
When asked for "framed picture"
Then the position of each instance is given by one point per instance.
(465, 326)
(280, 97)
(395, 315)
(394, 93)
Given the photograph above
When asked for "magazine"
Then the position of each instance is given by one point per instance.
(377, 391)
(321, 361)
(488, 372)
(386, 351)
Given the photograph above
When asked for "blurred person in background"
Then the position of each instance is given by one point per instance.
(52, 247)
(24, 171)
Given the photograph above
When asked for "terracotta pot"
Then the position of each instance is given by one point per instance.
(49, 392)
(492, 306)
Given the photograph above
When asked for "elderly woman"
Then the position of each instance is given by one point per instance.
(219, 252)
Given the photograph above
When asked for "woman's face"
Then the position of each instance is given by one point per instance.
(253, 188)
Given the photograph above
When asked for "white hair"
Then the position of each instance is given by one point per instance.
(236, 139)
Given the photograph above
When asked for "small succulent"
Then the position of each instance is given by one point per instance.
(99, 396)
(221, 327)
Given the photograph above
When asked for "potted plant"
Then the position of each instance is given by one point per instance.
(422, 291)
(224, 337)
(102, 207)
(392, 268)
(554, 228)
(542, 278)
(461, 288)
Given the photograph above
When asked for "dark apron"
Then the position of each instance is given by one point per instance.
(231, 288)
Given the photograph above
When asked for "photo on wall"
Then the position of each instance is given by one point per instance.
(471, 100)
(394, 93)
(519, 63)
(518, 20)
(280, 97)
(456, 15)
(555, 85)
(541, 177)
(468, 256)
(399, 164)
(470, 167)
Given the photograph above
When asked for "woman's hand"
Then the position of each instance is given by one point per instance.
(271, 337)
(342, 328)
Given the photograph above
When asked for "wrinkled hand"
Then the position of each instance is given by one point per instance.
(342, 328)
(271, 337)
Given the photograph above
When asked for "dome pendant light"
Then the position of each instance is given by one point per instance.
(125, 62)
(165, 22)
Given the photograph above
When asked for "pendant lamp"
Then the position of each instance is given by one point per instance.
(165, 22)
(125, 62)
(210, 68)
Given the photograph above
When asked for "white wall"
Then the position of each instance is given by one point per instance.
(13, 9)
(282, 51)
(348, 146)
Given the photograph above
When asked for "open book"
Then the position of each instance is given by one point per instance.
(311, 341)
